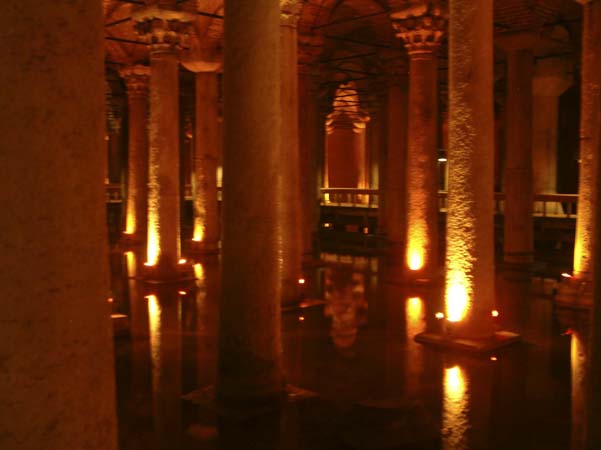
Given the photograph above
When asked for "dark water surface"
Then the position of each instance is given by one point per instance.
(366, 383)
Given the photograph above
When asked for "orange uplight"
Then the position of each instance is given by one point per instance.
(456, 301)
(182, 292)
(494, 313)
(199, 231)
(149, 264)
(566, 275)
(110, 299)
(301, 281)
(493, 358)
(415, 259)
(182, 261)
(439, 315)
(301, 318)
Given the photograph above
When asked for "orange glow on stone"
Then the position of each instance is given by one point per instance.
(301, 281)
(415, 257)
(494, 313)
(455, 414)
(457, 299)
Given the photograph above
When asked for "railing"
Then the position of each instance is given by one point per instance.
(114, 193)
(545, 205)
(350, 198)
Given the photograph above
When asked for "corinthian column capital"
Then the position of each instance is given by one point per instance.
(421, 26)
(164, 29)
(290, 12)
(136, 80)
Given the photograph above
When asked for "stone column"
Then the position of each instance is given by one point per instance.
(470, 276)
(308, 152)
(136, 80)
(164, 29)
(205, 239)
(396, 192)
(56, 339)
(289, 183)
(590, 139)
(421, 30)
(250, 359)
(518, 227)
(551, 79)
(361, 151)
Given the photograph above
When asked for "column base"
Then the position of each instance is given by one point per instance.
(443, 341)
(201, 248)
(411, 278)
(163, 274)
(575, 293)
(207, 398)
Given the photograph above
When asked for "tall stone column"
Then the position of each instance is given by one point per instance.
(396, 189)
(551, 79)
(518, 240)
(289, 183)
(250, 352)
(470, 276)
(55, 337)
(421, 30)
(590, 139)
(205, 239)
(308, 152)
(164, 30)
(136, 80)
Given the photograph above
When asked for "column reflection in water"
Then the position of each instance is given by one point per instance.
(345, 304)
(207, 294)
(455, 404)
(414, 318)
(164, 317)
(578, 353)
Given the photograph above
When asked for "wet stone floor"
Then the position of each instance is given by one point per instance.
(360, 380)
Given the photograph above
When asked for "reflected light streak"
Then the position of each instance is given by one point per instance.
(414, 314)
(154, 322)
(153, 247)
(199, 274)
(130, 261)
(455, 413)
(130, 218)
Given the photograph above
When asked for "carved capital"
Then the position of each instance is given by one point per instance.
(165, 30)
(421, 26)
(136, 80)
(290, 12)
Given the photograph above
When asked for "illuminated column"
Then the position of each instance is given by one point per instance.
(470, 276)
(206, 159)
(136, 80)
(518, 228)
(421, 30)
(308, 148)
(288, 189)
(164, 30)
(250, 360)
(360, 152)
(343, 161)
(590, 139)
(57, 375)
(551, 79)
(396, 200)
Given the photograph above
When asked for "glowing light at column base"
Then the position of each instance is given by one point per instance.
(415, 258)
(130, 219)
(457, 297)
(199, 233)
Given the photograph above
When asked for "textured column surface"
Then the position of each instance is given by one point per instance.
(136, 80)
(250, 364)
(309, 144)
(56, 374)
(206, 160)
(343, 161)
(469, 291)
(289, 182)
(550, 81)
(164, 30)
(518, 228)
(590, 139)
(421, 35)
(396, 166)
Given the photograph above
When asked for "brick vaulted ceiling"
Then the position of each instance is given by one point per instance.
(342, 40)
